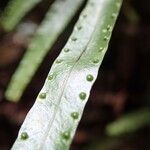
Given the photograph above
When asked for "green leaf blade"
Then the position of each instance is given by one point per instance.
(129, 123)
(15, 11)
(57, 18)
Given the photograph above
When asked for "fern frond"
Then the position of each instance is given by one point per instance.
(52, 121)
(57, 18)
(129, 123)
(15, 11)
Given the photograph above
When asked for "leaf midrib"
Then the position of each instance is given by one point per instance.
(64, 85)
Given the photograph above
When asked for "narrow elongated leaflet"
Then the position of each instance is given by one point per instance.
(15, 10)
(57, 18)
(129, 123)
(51, 123)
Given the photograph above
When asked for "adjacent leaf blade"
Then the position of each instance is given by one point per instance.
(15, 11)
(129, 123)
(57, 18)
(52, 121)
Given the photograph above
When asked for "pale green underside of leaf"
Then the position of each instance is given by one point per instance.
(50, 117)
(129, 123)
(57, 18)
(14, 12)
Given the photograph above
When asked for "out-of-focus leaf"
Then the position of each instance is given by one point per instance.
(14, 12)
(129, 123)
(57, 18)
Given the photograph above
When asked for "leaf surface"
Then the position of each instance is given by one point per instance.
(52, 121)
(57, 18)
(129, 123)
(15, 11)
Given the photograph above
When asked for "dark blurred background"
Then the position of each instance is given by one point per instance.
(123, 84)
